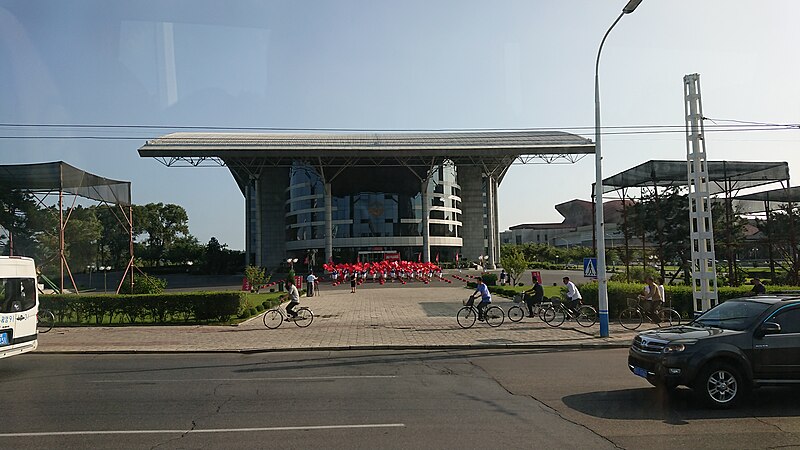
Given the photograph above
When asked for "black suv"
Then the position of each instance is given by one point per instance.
(737, 345)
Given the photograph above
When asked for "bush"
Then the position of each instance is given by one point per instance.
(255, 277)
(489, 279)
(144, 284)
(252, 311)
(259, 308)
(679, 297)
(154, 308)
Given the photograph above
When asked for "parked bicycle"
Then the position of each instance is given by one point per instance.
(558, 312)
(45, 321)
(520, 309)
(632, 317)
(493, 316)
(275, 317)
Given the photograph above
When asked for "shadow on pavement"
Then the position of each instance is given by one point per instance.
(440, 309)
(681, 405)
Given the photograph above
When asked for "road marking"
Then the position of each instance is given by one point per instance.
(212, 430)
(342, 377)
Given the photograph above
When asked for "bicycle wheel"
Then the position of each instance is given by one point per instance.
(304, 317)
(587, 316)
(273, 319)
(554, 316)
(542, 310)
(494, 316)
(466, 316)
(669, 317)
(630, 318)
(515, 313)
(44, 321)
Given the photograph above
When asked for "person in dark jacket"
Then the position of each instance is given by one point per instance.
(533, 296)
(758, 288)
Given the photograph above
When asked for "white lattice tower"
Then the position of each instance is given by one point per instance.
(704, 267)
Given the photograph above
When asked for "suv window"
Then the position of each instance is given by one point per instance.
(733, 314)
(789, 320)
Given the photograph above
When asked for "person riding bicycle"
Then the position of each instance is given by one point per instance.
(573, 295)
(294, 299)
(486, 298)
(651, 294)
(533, 296)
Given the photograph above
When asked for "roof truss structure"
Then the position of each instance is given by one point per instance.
(495, 151)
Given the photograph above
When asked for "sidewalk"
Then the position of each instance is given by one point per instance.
(375, 317)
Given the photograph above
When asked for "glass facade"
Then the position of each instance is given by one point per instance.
(371, 208)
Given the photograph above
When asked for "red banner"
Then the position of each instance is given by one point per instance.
(245, 284)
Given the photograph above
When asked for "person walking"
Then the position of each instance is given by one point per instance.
(533, 296)
(758, 288)
(310, 283)
(353, 282)
(503, 277)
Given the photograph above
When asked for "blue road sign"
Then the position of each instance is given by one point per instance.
(590, 267)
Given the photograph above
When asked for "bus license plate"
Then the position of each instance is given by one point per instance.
(4, 339)
(639, 371)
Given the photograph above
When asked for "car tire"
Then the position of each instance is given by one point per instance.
(720, 385)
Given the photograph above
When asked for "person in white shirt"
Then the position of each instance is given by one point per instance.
(294, 299)
(310, 279)
(573, 294)
(652, 295)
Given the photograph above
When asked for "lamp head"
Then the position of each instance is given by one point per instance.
(631, 6)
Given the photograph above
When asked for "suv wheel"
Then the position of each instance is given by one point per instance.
(720, 385)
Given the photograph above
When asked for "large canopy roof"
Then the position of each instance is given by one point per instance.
(768, 200)
(54, 176)
(365, 149)
(724, 176)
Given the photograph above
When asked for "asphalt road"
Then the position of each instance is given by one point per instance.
(379, 399)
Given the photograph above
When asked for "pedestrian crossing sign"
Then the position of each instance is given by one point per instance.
(590, 267)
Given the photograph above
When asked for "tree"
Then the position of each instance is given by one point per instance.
(513, 261)
(782, 230)
(16, 211)
(163, 224)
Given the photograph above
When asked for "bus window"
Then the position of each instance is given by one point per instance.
(18, 294)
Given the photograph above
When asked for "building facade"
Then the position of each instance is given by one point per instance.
(334, 196)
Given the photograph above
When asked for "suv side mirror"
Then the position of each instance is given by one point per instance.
(768, 328)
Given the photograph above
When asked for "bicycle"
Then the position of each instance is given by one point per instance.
(517, 311)
(275, 317)
(45, 320)
(556, 314)
(467, 315)
(632, 317)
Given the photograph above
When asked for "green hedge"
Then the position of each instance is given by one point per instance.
(189, 307)
(680, 296)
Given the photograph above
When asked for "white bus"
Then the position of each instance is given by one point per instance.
(19, 304)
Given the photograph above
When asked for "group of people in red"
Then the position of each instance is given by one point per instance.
(382, 272)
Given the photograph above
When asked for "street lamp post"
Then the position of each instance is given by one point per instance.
(105, 270)
(598, 194)
(291, 262)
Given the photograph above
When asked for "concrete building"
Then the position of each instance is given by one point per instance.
(337, 196)
(575, 230)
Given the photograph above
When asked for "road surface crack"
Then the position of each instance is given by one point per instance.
(758, 419)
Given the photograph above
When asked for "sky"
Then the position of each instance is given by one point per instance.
(387, 65)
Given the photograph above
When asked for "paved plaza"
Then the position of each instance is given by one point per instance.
(390, 316)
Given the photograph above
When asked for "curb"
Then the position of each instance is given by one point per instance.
(249, 351)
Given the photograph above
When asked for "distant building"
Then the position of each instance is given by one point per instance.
(574, 230)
